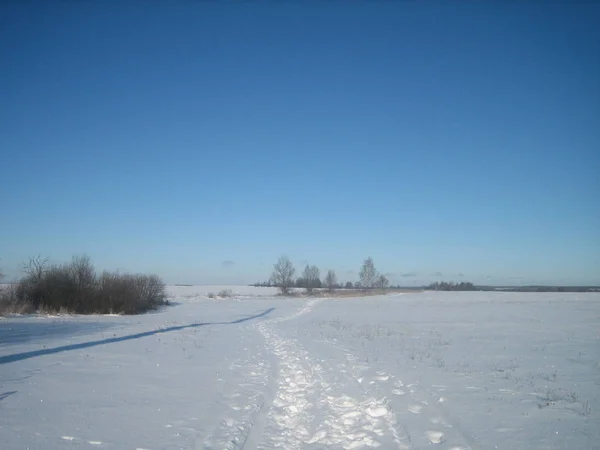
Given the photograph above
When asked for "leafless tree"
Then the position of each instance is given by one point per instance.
(382, 282)
(330, 280)
(35, 267)
(283, 275)
(83, 274)
(368, 274)
(311, 276)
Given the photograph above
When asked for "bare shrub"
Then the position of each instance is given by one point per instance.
(548, 397)
(9, 302)
(75, 288)
(225, 293)
(130, 294)
(586, 409)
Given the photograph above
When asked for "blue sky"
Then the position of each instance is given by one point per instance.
(202, 140)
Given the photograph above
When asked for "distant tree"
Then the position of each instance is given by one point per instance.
(382, 282)
(450, 286)
(283, 274)
(311, 276)
(262, 284)
(330, 280)
(349, 285)
(368, 273)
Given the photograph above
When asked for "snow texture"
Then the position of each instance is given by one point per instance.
(256, 371)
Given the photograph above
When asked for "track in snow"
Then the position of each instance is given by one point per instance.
(288, 397)
(309, 405)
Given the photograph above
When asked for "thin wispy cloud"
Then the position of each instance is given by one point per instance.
(438, 274)
(228, 263)
(408, 274)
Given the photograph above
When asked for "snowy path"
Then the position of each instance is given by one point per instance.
(451, 371)
(316, 407)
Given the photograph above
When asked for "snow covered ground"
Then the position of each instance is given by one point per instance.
(430, 370)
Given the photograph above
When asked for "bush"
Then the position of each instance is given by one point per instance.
(10, 304)
(75, 288)
(130, 294)
(226, 293)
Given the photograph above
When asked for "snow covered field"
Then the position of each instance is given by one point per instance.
(430, 370)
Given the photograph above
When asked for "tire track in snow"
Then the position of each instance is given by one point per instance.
(316, 406)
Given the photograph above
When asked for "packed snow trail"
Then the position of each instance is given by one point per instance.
(315, 407)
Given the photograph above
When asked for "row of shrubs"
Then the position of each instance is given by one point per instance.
(225, 293)
(76, 288)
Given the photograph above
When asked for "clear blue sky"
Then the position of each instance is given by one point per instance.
(202, 140)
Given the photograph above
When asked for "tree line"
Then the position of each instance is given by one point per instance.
(284, 271)
(450, 286)
(283, 277)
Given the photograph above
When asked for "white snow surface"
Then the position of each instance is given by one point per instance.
(256, 371)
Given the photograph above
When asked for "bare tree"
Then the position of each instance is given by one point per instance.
(368, 274)
(283, 275)
(382, 282)
(35, 267)
(330, 280)
(83, 274)
(311, 276)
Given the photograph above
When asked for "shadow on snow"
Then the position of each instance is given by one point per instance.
(49, 351)
(7, 394)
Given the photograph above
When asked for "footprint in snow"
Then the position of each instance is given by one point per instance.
(415, 409)
(228, 422)
(381, 378)
(439, 421)
(435, 437)
(377, 411)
